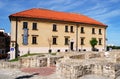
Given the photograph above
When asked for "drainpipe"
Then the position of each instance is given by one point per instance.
(105, 39)
(16, 45)
(77, 37)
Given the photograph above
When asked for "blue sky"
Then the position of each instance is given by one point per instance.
(105, 11)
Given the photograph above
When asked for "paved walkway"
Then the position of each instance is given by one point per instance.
(42, 71)
(37, 73)
(29, 73)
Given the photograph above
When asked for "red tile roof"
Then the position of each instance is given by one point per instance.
(55, 15)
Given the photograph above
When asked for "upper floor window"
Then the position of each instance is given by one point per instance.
(54, 40)
(82, 30)
(54, 27)
(66, 28)
(82, 41)
(93, 30)
(100, 41)
(100, 32)
(25, 25)
(34, 26)
(71, 29)
(67, 40)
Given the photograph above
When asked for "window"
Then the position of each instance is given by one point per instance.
(34, 26)
(66, 28)
(82, 41)
(71, 29)
(54, 42)
(25, 40)
(100, 32)
(93, 30)
(25, 25)
(25, 36)
(66, 40)
(34, 40)
(54, 27)
(82, 30)
(100, 41)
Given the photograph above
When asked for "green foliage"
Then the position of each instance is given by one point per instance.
(53, 53)
(113, 47)
(93, 42)
(32, 54)
(26, 55)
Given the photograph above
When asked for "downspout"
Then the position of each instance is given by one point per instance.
(16, 44)
(77, 37)
(105, 39)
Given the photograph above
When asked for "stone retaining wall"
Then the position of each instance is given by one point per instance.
(33, 61)
(39, 61)
(74, 69)
(9, 65)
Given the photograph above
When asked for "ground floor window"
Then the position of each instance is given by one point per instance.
(67, 40)
(34, 39)
(82, 41)
(54, 40)
(100, 41)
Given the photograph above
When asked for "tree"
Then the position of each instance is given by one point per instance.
(93, 42)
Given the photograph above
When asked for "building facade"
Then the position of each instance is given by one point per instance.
(42, 31)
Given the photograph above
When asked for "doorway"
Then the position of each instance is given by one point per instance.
(71, 45)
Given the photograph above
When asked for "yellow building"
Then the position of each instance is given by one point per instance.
(40, 30)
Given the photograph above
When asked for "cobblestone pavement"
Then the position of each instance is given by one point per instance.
(18, 74)
(28, 73)
(94, 76)
(42, 71)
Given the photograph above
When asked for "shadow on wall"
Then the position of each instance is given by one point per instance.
(26, 76)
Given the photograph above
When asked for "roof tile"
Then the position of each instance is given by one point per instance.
(55, 15)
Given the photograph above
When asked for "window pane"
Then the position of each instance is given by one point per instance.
(100, 41)
(82, 29)
(82, 41)
(93, 30)
(66, 41)
(66, 28)
(71, 29)
(54, 27)
(34, 26)
(54, 40)
(100, 31)
(25, 36)
(34, 40)
(25, 24)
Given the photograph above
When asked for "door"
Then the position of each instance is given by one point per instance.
(71, 45)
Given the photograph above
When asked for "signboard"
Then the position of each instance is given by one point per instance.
(11, 49)
(25, 36)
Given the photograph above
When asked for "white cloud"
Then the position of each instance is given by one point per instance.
(109, 14)
(61, 5)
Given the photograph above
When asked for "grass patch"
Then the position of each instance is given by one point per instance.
(13, 60)
(32, 54)
(53, 53)
(26, 55)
